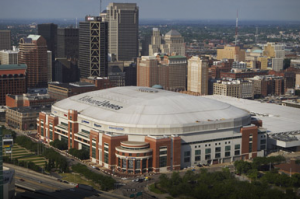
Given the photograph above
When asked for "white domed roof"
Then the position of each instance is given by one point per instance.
(151, 108)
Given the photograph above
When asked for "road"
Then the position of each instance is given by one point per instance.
(46, 186)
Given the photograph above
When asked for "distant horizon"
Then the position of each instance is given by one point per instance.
(266, 10)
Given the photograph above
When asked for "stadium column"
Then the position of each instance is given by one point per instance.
(72, 127)
(249, 141)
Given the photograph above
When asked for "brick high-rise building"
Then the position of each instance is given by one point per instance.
(169, 72)
(93, 47)
(33, 53)
(198, 75)
(123, 24)
(5, 40)
(12, 80)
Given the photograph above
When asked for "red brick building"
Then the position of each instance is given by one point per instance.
(33, 53)
(12, 80)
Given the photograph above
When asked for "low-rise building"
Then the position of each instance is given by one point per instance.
(24, 118)
(28, 100)
(234, 88)
(61, 91)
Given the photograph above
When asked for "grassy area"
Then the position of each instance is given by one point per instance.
(25, 155)
(78, 179)
(153, 189)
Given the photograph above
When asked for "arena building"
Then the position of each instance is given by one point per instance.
(137, 129)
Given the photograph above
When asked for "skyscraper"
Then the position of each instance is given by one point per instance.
(67, 42)
(33, 53)
(173, 42)
(49, 32)
(198, 75)
(5, 40)
(93, 47)
(123, 23)
(154, 47)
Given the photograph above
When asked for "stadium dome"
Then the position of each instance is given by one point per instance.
(149, 111)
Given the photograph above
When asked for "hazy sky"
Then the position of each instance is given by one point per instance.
(157, 9)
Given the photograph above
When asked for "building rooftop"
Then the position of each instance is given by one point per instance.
(173, 33)
(73, 85)
(34, 37)
(275, 118)
(13, 66)
(32, 109)
(142, 107)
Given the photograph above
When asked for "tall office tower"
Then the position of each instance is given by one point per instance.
(5, 40)
(198, 75)
(33, 53)
(67, 42)
(147, 71)
(49, 32)
(154, 47)
(49, 66)
(93, 47)
(123, 24)
(173, 42)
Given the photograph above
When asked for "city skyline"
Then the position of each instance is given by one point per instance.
(168, 9)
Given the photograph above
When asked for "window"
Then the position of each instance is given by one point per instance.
(124, 163)
(137, 155)
(93, 152)
(163, 152)
(163, 161)
(197, 155)
(42, 131)
(207, 151)
(262, 141)
(207, 157)
(106, 158)
(137, 164)
(227, 148)
(237, 152)
(227, 153)
(195, 147)
(187, 155)
(218, 149)
(130, 164)
(250, 147)
(119, 162)
(237, 146)
(217, 155)
(130, 154)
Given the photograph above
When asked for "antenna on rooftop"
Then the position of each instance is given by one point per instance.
(100, 6)
(76, 22)
(236, 26)
(256, 35)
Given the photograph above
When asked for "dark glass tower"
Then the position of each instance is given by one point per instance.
(67, 43)
(93, 47)
(49, 32)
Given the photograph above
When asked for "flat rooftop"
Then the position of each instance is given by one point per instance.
(276, 118)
